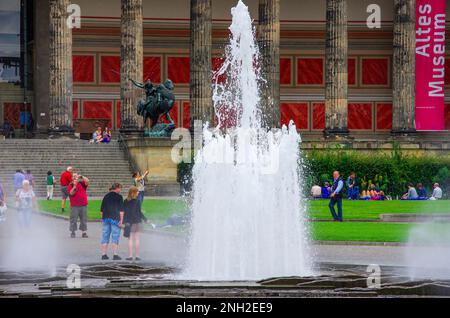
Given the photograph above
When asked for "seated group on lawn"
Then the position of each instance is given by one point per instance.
(374, 193)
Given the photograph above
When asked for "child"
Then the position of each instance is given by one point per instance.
(133, 218)
(50, 185)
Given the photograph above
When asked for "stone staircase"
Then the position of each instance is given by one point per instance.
(103, 164)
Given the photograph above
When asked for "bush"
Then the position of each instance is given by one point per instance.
(388, 171)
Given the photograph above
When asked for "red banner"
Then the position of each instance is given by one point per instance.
(430, 64)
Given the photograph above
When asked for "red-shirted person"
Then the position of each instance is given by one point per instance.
(65, 180)
(78, 204)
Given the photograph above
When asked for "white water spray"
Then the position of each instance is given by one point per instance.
(248, 210)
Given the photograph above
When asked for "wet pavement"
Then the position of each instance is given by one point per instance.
(33, 263)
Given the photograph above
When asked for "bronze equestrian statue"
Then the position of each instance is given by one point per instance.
(159, 101)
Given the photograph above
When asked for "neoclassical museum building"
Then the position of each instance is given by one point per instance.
(336, 67)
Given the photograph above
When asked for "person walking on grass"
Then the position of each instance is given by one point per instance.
(336, 196)
(65, 180)
(26, 201)
(139, 182)
(50, 185)
(112, 211)
(78, 204)
(133, 218)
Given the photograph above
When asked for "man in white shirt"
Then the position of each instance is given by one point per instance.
(316, 191)
(437, 192)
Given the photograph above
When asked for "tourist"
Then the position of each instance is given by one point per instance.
(437, 192)
(326, 189)
(30, 178)
(133, 218)
(106, 136)
(97, 136)
(8, 130)
(112, 219)
(316, 192)
(411, 194)
(18, 180)
(365, 195)
(352, 187)
(422, 192)
(65, 180)
(336, 196)
(50, 185)
(2, 203)
(139, 182)
(78, 204)
(374, 191)
(25, 200)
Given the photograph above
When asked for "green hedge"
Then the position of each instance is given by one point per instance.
(389, 171)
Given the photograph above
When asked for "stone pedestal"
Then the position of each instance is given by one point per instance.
(154, 155)
(336, 76)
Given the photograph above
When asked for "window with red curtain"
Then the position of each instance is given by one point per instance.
(360, 116)
(375, 71)
(447, 116)
(83, 68)
(75, 109)
(298, 112)
(98, 110)
(178, 69)
(384, 116)
(285, 71)
(310, 71)
(217, 63)
(351, 71)
(110, 69)
(152, 69)
(118, 114)
(11, 112)
(186, 115)
(318, 115)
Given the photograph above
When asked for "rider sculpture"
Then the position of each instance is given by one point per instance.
(159, 101)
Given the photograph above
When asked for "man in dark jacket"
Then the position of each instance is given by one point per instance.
(112, 218)
(336, 196)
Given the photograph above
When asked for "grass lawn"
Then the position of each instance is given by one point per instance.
(379, 232)
(155, 209)
(318, 209)
(158, 210)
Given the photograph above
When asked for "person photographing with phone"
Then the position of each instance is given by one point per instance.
(78, 204)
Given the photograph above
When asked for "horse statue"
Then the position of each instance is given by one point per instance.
(159, 101)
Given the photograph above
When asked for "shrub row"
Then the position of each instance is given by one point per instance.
(389, 171)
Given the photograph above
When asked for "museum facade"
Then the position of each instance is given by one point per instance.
(326, 67)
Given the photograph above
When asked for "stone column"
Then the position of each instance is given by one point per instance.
(200, 59)
(269, 46)
(131, 59)
(60, 68)
(404, 66)
(336, 74)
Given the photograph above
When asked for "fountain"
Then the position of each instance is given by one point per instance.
(248, 213)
